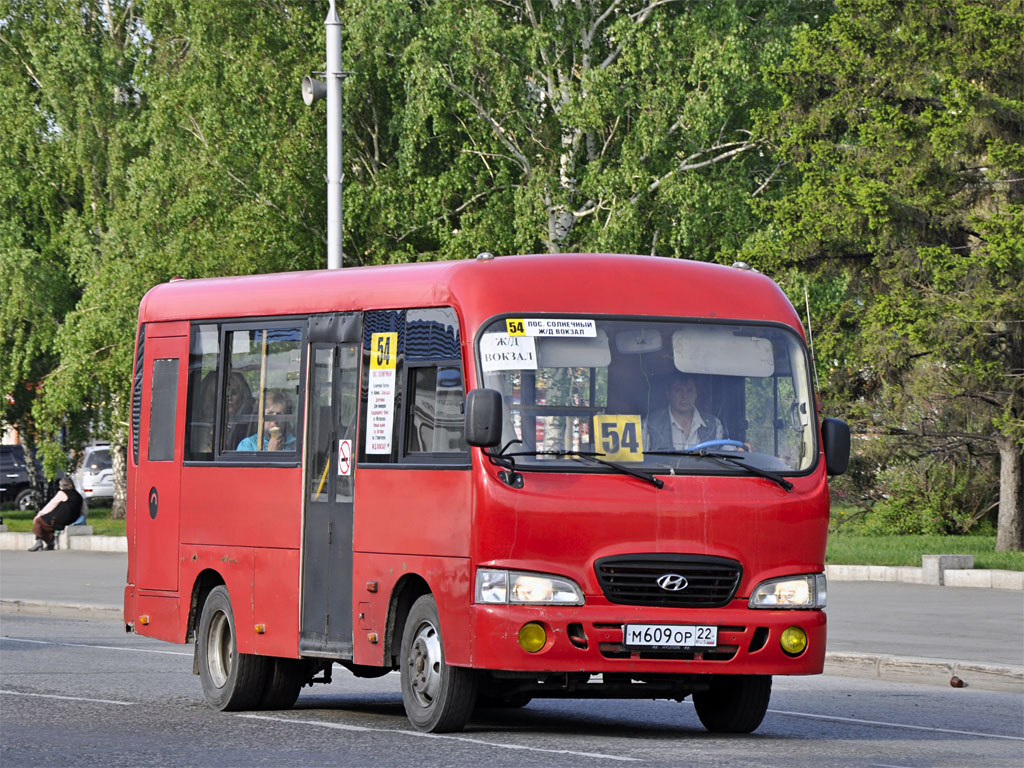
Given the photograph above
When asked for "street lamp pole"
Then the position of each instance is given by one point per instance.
(335, 174)
(312, 92)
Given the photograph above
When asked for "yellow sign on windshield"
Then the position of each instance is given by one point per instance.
(619, 437)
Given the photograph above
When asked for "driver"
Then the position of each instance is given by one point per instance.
(680, 424)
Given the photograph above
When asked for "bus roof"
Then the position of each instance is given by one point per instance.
(480, 288)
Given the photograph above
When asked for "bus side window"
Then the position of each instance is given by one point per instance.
(202, 392)
(163, 409)
(435, 423)
(261, 380)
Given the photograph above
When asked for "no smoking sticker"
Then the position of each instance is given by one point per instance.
(344, 458)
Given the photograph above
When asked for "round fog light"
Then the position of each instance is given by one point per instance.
(532, 637)
(793, 641)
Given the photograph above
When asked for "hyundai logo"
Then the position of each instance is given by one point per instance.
(672, 582)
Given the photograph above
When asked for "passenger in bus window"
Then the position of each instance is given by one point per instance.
(277, 433)
(241, 420)
(680, 424)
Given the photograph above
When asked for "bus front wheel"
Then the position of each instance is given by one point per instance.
(438, 698)
(231, 680)
(734, 703)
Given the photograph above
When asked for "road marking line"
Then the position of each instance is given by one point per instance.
(68, 698)
(498, 745)
(831, 718)
(101, 647)
(857, 721)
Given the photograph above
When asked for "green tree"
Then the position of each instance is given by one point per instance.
(68, 113)
(903, 130)
(150, 140)
(523, 126)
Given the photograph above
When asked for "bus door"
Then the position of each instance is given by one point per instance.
(331, 413)
(159, 470)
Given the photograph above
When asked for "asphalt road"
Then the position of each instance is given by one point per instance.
(83, 693)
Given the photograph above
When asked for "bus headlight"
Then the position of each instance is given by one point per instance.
(792, 592)
(523, 588)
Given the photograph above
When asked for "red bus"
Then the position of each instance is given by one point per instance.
(577, 475)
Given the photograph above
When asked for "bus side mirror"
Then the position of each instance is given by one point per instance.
(835, 440)
(483, 418)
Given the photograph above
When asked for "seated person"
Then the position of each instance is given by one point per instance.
(241, 407)
(680, 425)
(277, 433)
(61, 511)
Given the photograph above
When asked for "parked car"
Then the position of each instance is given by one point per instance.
(94, 477)
(14, 483)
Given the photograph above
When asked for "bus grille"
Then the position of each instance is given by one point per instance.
(695, 581)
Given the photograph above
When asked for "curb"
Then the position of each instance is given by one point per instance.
(914, 669)
(62, 610)
(69, 539)
(909, 574)
(896, 669)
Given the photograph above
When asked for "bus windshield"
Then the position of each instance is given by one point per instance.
(670, 396)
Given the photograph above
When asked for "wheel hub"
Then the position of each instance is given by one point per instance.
(425, 664)
(218, 650)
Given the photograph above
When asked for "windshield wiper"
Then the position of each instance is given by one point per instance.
(730, 460)
(657, 482)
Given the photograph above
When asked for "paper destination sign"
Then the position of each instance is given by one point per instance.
(381, 397)
(500, 352)
(551, 326)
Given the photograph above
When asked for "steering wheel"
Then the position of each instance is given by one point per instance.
(715, 444)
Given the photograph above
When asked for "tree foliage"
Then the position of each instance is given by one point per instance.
(868, 154)
(545, 126)
(69, 115)
(903, 124)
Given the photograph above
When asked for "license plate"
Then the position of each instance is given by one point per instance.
(669, 636)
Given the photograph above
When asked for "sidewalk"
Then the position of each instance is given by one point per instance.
(890, 631)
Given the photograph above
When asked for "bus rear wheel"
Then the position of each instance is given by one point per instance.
(231, 680)
(285, 678)
(438, 698)
(734, 703)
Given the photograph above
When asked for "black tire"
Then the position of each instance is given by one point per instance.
(26, 500)
(438, 698)
(231, 680)
(285, 678)
(734, 703)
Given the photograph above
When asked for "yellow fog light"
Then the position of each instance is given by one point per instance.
(793, 641)
(532, 637)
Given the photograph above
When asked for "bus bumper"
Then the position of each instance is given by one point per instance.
(590, 639)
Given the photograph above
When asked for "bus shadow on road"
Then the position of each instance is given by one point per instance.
(588, 719)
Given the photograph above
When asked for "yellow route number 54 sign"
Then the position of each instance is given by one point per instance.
(619, 437)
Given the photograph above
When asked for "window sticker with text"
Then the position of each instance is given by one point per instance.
(619, 437)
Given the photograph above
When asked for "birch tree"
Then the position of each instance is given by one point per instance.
(69, 110)
(558, 124)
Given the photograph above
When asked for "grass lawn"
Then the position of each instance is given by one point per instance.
(98, 518)
(846, 549)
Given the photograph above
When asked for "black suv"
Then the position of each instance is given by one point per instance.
(14, 485)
